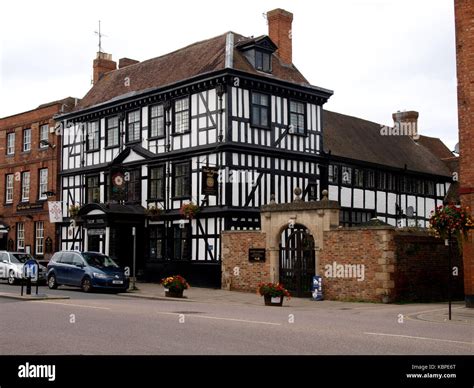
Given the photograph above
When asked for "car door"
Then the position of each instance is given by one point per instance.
(64, 267)
(76, 270)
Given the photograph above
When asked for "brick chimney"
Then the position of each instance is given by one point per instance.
(279, 31)
(102, 64)
(124, 62)
(407, 123)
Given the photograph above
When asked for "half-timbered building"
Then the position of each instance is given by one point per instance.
(229, 124)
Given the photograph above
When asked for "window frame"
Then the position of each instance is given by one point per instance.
(39, 240)
(7, 188)
(139, 185)
(18, 236)
(127, 128)
(40, 129)
(151, 118)
(189, 178)
(42, 197)
(11, 135)
(152, 242)
(346, 169)
(23, 175)
(150, 182)
(332, 174)
(108, 129)
(188, 111)
(88, 187)
(96, 139)
(268, 107)
(304, 114)
(187, 240)
(25, 143)
(262, 66)
(358, 178)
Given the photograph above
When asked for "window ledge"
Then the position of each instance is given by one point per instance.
(180, 133)
(92, 150)
(133, 142)
(157, 137)
(111, 147)
(253, 126)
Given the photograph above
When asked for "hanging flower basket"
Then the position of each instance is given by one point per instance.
(74, 211)
(154, 213)
(189, 210)
(451, 220)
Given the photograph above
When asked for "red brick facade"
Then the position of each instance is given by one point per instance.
(279, 31)
(35, 209)
(464, 13)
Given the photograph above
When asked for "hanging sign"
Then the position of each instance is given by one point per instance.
(209, 181)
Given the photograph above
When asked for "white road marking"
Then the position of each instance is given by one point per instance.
(421, 338)
(73, 305)
(223, 319)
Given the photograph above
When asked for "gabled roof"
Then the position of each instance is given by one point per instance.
(137, 148)
(436, 146)
(196, 59)
(358, 139)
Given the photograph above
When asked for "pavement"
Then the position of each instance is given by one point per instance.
(439, 313)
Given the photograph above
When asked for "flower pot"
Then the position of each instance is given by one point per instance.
(173, 293)
(275, 301)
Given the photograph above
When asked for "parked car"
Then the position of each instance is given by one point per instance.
(11, 266)
(88, 270)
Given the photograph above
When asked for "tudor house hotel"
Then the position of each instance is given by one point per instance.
(162, 133)
(29, 154)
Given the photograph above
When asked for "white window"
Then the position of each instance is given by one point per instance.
(181, 115)
(39, 237)
(26, 139)
(43, 183)
(133, 126)
(44, 130)
(25, 186)
(93, 136)
(9, 188)
(20, 236)
(11, 143)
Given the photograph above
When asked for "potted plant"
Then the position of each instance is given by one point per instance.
(451, 220)
(189, 210)
(174, 286)
(154, 212)
(74, 211)
(273, 293)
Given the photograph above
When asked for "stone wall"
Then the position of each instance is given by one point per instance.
(238, 273)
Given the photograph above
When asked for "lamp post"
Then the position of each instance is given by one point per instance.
(449, 273)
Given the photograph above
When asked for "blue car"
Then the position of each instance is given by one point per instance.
(88, 270)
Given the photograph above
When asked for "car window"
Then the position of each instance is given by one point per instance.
(99, 261)
(57, 257)
(20, 257)
(3, 256)
(77, 260)
(67, 258)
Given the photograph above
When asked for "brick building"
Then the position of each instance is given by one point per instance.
(29, 157)
(464, 14)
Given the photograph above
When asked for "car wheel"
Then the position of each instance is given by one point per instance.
(52, 284)
(11, 278)
(86, 285)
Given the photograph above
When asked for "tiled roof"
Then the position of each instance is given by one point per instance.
(358, 139)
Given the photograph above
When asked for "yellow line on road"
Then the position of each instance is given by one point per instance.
(73, 305)
(421, 338)
(223, 319)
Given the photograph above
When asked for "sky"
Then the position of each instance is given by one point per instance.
(378, 56)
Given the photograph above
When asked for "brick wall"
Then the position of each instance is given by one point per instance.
(237, 272)
(403, 265)
(372, 248)
(422, 269)
(464, 14)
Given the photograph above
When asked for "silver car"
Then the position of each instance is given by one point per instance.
(11, 266)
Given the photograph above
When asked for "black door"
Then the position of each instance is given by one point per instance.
(297, 261)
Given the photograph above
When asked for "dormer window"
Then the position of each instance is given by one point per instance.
(263, 61)
(258, 52)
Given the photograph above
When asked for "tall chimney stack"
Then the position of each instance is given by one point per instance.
(279, 31)
(102, 64)
(407, 123)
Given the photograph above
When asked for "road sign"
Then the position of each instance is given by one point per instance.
(30, 270)
(317, 288)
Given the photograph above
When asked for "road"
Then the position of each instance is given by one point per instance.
(103, 324)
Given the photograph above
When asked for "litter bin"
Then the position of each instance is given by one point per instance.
(317, 288)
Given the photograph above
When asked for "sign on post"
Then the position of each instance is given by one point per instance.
(317, 288)
(30, 270)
